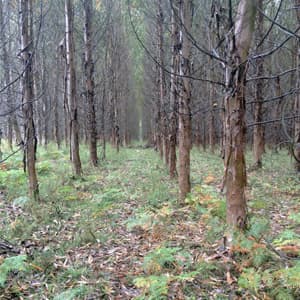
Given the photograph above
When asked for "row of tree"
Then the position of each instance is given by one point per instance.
(174, 72)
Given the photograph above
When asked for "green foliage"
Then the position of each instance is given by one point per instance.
(215, 229)
(158, 195)
(143, 220)
(260, 256)
(44, 168)
(71, 294)
(258, 227)
(250, 279)
(14, 181)
(160, 259)
(154, 287)
(21, 201)
(16, 263)
(295, 217)
(287, 237)
(290, 277)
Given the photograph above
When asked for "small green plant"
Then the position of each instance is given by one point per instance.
(258, 227)
(250, 279)
(159, 259)
(15, 263)
(71, 294)
(153, 287)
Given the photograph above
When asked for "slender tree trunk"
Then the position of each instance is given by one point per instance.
(235, 108)
(185, 128)
(28, 97)
(90, 86)
(57, 134)
(12, 119)
(297, 98)
(162, 84)
(258, 133)
(158, 119)
(211, 116)
(71, 90)
(176, 46)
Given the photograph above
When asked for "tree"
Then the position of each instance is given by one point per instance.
(89, 81)
(184, 109)
(174, 90)
(297, 98)
(30, 141)
(12, 118)
(71, 89)
(235, 107)
(258, 133)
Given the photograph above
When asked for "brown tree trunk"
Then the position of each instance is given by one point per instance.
(235, 107)
(258, 133)
(57, 134)
(212, 102)
(185, 128)
(297, 99)
(71, 90)
(176, 45)
(89, 73)
(28, 97)
(162, 85)
(12, 119)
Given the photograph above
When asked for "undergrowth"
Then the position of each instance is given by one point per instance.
(119, 231)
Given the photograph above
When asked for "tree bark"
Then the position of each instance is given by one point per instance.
(235, 107)
(185, 127)
(71, 89)
(297, 98)
(162, 85)
(12, 118)
(174, 92)
(89, 82)
(28, 97)
(258, 133)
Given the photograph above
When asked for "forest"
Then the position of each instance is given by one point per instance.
(150, 149)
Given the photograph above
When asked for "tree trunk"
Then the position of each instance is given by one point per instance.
(258, 132)
(89, 73)
(176, 46)
(235, 107)
(57, 134)
(297, 98)
(28, 97)
(184, 102)
(12, 119)
(71, 90)
(162, 84)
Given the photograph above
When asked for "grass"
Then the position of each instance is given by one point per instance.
(119, 232)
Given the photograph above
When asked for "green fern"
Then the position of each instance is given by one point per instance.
(70, 294)
(290, 277)
(250, 280)
(16, 263)
(159, 259)
(154, 287)
(287, 237)
(258, 227)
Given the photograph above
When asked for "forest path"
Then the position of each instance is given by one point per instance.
(119, 232)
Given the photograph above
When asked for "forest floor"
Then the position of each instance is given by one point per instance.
(119, 232)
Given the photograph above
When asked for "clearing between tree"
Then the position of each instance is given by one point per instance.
(118, 232)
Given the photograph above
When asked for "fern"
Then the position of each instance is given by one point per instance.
(70, 294)
(155, 287)
(16, 263)
(250, 279)
(159, 259)
(258, 227)
(287, 237)
(290, 277)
